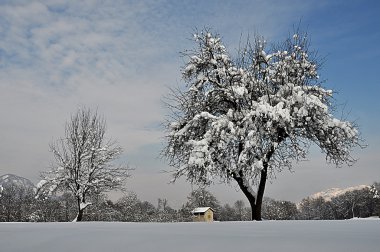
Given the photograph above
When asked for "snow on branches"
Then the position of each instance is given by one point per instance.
(258, 112)
(84, 161)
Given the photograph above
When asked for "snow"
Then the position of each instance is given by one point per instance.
(335, 192)
(11, 179)
(239, 91)
(84, 205)
(200, 210)
(350, 235)
(41, 183)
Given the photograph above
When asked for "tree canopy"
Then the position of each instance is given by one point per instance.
(245, 119)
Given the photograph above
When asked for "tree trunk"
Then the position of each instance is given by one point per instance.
(66, 211)
(254, 202)
(256, 212)
(246, 190)
(80, 212)
(80, 215)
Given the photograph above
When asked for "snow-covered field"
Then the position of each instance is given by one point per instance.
(350, 235)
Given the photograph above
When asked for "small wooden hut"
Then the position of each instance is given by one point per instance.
(203, 214)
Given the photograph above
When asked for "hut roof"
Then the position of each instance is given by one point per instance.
(201, 210)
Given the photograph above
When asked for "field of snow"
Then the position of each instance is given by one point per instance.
(350, 235)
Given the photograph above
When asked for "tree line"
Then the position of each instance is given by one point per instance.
(19, 204)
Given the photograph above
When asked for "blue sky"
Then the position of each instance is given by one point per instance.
(120, 57)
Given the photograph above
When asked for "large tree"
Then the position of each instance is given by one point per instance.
(84, 161)
(247, 118)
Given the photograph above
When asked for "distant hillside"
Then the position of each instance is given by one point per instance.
(334, 192)
(11, 179)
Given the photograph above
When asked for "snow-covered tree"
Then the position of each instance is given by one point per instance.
(129, 207)
(247, 118)
(354, 203)
(203, 198)
(375, 189)
(227, 213)
(317, 209)
(279, 210)
(164, 212)
(242, 212)
(16, 202)
(84, 161)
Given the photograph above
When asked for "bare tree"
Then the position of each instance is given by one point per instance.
(84, 161)
(246, 119)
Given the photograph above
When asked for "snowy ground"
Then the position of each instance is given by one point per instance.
(350, 235)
